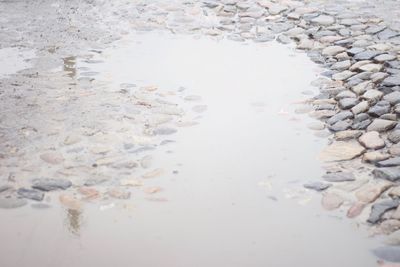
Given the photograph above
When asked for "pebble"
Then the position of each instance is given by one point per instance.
(341, 150)
(395, 192)
(344, 75)
(317, 186)
(393, 98)
(30, 194)
(331, 201)
(70, 202)
(46, 184)
(361, 107)
(339, 117)
(374, 156)
(119, 193)
(355, 210)
(372, 140)
(379, 208)
(381, 125)
(389, 173)
(333, 50)
(52, 157)
(347, 135)
(389, 162)
(324, 20)
(389, 253)
(371, 192)
(339, 177)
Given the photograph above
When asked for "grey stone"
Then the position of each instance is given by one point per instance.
(372, 95)
(385, 57)
(389, 253)
(388, 173)
(324, 20)
(344, 75)
(347, 103)
(394, 136)
(361, 125)
(345, 94)
(317, 186)
(340, 125)
(355, 50)
(341, 65)
(381, 125)
(164, 131)
(389, 116)
(361, 117)
(389, 162)
(371, 140)
(339, 177)
(366, 55)
(31, 194)
(378, 209)
(387, 34)
(47, 184)
(340, 116)
(360, 107)
(379, 109)
(391, 81)
(393, 98)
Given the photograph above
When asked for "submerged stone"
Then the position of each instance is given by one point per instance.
(47, 184)
(378, 209)
(31, 194)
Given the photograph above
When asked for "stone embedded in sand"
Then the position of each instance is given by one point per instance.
(47, 184)
(52, 157)
(372, 140)
(371, 192)
(341, 150)
(331, 201)
(355, 209)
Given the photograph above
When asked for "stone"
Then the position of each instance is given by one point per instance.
(164, 131)
(359, 64)
(389, 253)
(341, 65)
(71, 140)
(378, 76)
(347, 135)
(331, 201)
(324, 20)
(362, 87)
(393, 98)
(344, 75)
(317, 186)
(393, 239)
(385, 57)
(371, 67)
(339, 117)
(367, 55)
(347, 103)
(387, 34)
(316, 125)
(355, 210)
(345, 94)
(379, 110)
(47, 184)
(388, 173)
(371, 192)
(31, 194)
(341, 150)
(379, 208)
(52, 157)
(374, 156)
(89, 192)
(12, 203)
(389, 162)
(339, 177)
(340, 126)
(380, 125)
(391, 81)
(352, 185)
(372, 140)
(395, 192)
(372, 95)
(360, 107)
(394, 150)
(70, 202)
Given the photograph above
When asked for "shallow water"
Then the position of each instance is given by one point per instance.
(232, 192)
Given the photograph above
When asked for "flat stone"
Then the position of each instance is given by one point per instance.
(339, 177)
(388, 173)
(394, 150)
(379, 110)
(333, 50)
(395, 192)
(372, 95)
(387, 34)
(331, 201)
(317, 186)
(362, 87)
(380, 125)
(31, 194)
(361, 107)
(378, 76)
(339, 117)
(351, 185)
(371, 67)
(391, 254)
(355, 50)
(47, 184)
(347, 103)
(341, 150)
(393, 98)
(385, 57)
(345, 94)
(389, 162)
(12, 203)
(374, 156)
(372, 140)
(355, 210)
(391, 81)
(393, 239)
(341, 65)
(347, 135)
(324, 20)
(340, 126)
(379, 208)
(367, 55)
(371, 192)
(344, 75)
(388, 226)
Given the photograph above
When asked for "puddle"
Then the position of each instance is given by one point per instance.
(232, 186)
(13, 60)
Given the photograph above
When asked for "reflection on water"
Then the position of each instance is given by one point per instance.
(69, 66)
(74, 220)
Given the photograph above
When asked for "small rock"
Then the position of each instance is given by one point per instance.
(389, 162)
(120, 194)
(374, 156)
(51, 184)
(371, 192)
(347, 103)
(340, 126)
(388, 173)
(339, 117)
(317, 186)
(331, 201)
(360, 107)
(341, 150)
(372, 140)
(381, 125)
(12, 203)
(391, 81)
(372, 95)
(355, 209)
(324, 20)
(344, 75)
(339, 177)
(31, 194)
(347, 135)
(52, 157)
(378, 209)
(395, 192)
(393, 98)
(391, 254)
(371, 67)
(70, 202)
